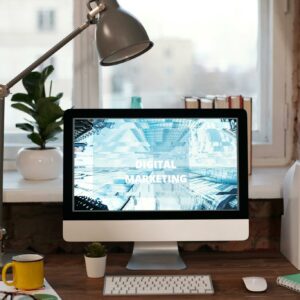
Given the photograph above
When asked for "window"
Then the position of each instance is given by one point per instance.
(201, 47)
(198, 49)
(21, 44)
(211, 47)
(46, 20)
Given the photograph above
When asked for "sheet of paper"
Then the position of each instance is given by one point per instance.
(47, 289)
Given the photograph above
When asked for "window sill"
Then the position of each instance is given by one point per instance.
(265, 183)
(18, 190)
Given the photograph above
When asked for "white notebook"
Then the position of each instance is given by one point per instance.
(47, 289)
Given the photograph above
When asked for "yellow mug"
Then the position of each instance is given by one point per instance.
(28, 272)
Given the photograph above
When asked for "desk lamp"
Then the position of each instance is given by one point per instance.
(119, 37)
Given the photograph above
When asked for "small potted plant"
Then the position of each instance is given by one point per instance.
(95, 260)
(44, 123)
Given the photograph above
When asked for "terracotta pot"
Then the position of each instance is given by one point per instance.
(37, 164)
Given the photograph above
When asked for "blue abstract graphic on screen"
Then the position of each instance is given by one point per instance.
(155, 164)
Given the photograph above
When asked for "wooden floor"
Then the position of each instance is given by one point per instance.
(66, 273)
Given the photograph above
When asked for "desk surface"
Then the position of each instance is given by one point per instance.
(66, 273)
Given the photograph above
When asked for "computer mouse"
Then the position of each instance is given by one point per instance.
(255, 284)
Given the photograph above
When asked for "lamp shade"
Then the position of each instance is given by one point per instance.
(119, 35)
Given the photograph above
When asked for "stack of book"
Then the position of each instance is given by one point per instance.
(226, 102)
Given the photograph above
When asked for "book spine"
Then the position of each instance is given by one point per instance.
(191, 103)
(205, 103)
(221, 102)
(236, 101)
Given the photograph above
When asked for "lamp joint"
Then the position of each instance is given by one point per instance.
(4, 91)
(94, 13)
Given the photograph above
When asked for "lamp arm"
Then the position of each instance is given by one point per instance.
(91, 19)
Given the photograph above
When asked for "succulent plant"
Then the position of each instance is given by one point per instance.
(46, 116)
(95, 250)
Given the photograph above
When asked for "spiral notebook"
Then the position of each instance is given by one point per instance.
(291, 281)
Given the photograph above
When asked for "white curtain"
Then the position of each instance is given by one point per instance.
(86, 62)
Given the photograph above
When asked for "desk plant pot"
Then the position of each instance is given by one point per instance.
(37, 164)
(44, 123)
(95, 260)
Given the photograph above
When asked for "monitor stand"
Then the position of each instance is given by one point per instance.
(155, 256)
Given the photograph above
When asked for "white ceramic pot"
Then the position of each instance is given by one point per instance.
(95, 266)
(37, 164)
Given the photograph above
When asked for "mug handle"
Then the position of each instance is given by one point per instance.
(4, 270)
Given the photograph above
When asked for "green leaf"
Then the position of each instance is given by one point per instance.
(46, 72)
(52, 130)
(25, 126)
(47, 112)
(43, 297)
(20, 97)
(34, 85)
(59, 96)
(36, 139)
(56, 98)
(23, 108)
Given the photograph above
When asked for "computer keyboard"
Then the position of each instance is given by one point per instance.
(157, 285)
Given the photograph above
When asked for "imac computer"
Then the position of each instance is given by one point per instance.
(155, 177)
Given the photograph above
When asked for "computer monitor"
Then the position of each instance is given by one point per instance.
(155, 177)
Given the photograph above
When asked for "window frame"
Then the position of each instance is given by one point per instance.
(278, 151)
(274, 39)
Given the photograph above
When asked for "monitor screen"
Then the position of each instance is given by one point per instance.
(141, 164)
(155, 164)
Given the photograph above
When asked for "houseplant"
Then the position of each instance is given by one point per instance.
(95, 260)
(44, 123)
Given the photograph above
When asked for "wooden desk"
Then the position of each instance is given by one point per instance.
(66, 273)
